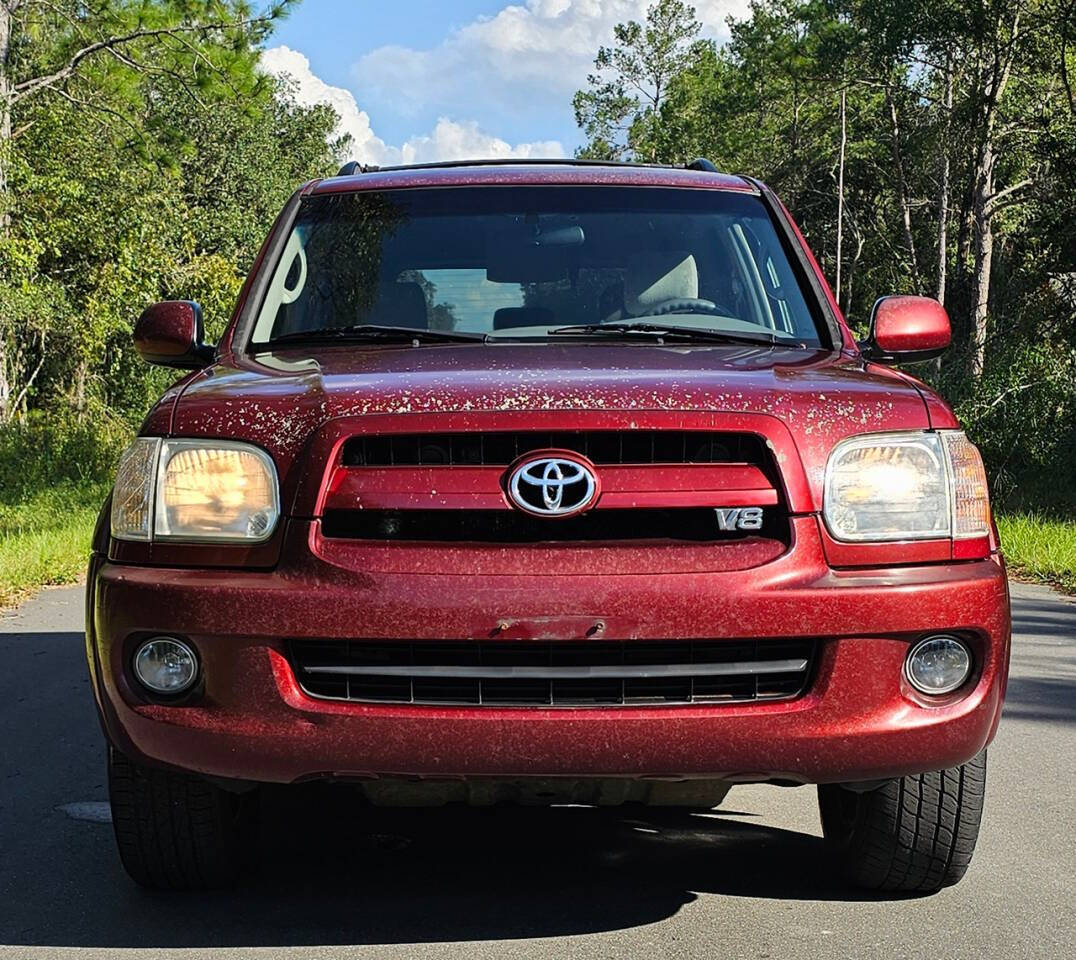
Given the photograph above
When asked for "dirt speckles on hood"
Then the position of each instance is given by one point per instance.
(278, 400)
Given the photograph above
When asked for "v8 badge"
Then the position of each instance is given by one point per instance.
(739, 518)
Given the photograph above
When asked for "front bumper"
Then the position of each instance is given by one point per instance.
(858, 720)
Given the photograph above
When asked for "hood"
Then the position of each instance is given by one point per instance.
(277, 400)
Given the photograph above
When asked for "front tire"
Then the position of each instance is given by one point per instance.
(174, 831)
(915, 834)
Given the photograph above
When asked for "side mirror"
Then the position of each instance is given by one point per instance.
(171, 334)
(905, 329)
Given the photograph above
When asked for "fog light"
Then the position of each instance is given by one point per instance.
(165, 665)
(938, 665)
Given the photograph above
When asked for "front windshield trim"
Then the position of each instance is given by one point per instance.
(826, 326)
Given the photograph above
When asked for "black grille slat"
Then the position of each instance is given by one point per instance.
(459, 690)
(697, 524)
(422, 684)
(735, 688)
(602, 447)
(581, 692)
(658, 690)
(387, 689)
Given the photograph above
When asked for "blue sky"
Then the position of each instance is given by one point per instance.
(424, 80)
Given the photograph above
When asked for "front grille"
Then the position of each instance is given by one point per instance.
(511, 526)
(599, 446)
(546, 673)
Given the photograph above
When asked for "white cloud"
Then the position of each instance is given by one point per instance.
(310, 89)
(449, 140)
(522, 57)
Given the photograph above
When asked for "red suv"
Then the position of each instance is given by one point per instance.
(547, 482)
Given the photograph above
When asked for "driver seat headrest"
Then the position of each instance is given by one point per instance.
(653, 278)
(508, 317)
(398, 304)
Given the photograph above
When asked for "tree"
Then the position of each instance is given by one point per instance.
(98, 234)
(95, 57)
(440, 315)
(626, 94)
(937, 139)
(995, 43)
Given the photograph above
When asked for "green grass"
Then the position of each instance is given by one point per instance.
(45, 538)
(1040, 547)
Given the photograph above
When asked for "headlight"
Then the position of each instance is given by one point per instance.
(207, 490)
(215, 491)
(909, 486)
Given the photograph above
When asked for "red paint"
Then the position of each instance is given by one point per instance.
(254, 723)
(910, 325)
(805, 400)
(493, 560)
(525, 174)
(973, 548)
(864, 603)
(167, 332)
(481, 488)
(884, 554)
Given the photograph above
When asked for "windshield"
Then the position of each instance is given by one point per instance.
(526, 262)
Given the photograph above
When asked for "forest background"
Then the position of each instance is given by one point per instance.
(924, 147)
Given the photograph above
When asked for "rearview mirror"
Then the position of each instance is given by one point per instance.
(905, 329)
(171, 334)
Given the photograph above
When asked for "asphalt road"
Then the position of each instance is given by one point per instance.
(747, 881)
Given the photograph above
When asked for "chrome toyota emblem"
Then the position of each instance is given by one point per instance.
(553, 483)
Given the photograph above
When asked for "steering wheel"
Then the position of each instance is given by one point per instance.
(691, 305)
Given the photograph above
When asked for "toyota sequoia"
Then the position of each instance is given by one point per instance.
(556, 482)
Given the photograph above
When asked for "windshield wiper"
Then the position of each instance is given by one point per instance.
(672, 330)
(376, 331)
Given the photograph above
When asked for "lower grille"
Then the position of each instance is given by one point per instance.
(525, 673)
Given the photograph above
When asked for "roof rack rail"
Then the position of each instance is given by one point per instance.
(353, 167)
